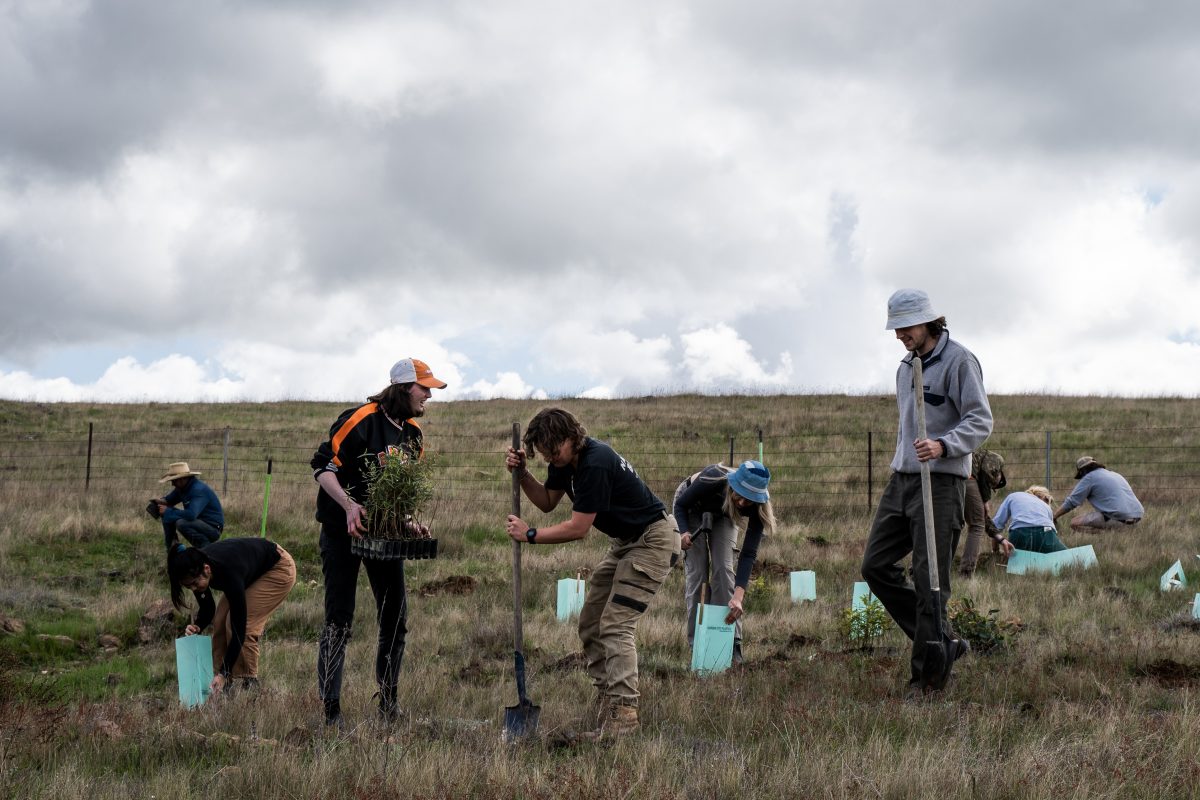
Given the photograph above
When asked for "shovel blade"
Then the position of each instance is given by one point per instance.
(939, 659)
(521, 721)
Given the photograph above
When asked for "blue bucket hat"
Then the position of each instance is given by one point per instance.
(750, 480)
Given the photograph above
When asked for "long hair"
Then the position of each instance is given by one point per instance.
(765, 511)
(550, 427)
(183, 563)
(396, 401)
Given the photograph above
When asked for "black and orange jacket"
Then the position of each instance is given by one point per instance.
(358, 432)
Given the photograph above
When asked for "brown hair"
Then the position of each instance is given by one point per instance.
(937, 326)
(550, 427)
(396, 401)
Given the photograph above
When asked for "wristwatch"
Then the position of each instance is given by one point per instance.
(531, 534)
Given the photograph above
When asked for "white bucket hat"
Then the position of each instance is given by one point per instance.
(908, 307)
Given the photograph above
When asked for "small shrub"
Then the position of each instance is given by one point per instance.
(864, 626)
(759, 595)
(985, 632)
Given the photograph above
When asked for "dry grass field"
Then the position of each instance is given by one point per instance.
(1091, 694)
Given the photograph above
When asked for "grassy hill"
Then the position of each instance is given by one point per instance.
(1090, 694)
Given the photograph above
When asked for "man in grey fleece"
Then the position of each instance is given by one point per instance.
(958, 420)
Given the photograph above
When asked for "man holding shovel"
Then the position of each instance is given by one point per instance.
(606, 492)
(958, 420)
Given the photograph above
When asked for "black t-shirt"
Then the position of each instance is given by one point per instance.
(358, 431)
(605, 484)
(235, 563)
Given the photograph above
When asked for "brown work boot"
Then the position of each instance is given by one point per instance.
(622, 720)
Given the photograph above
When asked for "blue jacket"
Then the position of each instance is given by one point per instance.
(199, 502)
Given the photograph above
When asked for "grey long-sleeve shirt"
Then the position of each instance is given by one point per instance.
(1108, 492)
(956, 408)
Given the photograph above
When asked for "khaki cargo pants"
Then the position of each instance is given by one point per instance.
(620, 589)
(262, 598)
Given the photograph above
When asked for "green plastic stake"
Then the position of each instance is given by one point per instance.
(266, 500)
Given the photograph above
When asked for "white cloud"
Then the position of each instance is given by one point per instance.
(718, 358)
(507, 384)
(541, 197)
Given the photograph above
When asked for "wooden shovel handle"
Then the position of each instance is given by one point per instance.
(926, 480)
(518, 637)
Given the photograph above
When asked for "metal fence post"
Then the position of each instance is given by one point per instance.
(870, 469)
(731, 451)
(225, 465)
(760, 446)
(1048, 448)
(87, 478)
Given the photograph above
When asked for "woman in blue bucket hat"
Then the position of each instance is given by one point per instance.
(726, 494)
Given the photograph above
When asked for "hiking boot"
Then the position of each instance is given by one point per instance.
(333, 715)
(250, 684)
(389, 709)
(957, 649)
(622, 720)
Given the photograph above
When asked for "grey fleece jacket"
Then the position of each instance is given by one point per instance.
(956, 408)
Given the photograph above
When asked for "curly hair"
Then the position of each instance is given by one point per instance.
(550, 427)
(937, 326)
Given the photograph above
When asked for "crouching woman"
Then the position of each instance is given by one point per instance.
(254, 576)
(726, 494)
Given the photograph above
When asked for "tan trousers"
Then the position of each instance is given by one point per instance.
(620, 589)
(262, 598)
(976, 514)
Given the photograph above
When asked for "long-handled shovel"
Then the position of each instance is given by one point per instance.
(938, 654)
(520, 720)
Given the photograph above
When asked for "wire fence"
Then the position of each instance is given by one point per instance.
(826, 473)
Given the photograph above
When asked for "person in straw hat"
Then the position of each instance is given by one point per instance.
(201, 519)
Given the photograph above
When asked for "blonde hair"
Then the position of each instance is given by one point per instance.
(1041, 493)
(766, 512)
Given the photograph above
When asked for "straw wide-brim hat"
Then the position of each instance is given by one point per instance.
(179, 469)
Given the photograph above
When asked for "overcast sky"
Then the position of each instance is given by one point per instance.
(270, 200)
